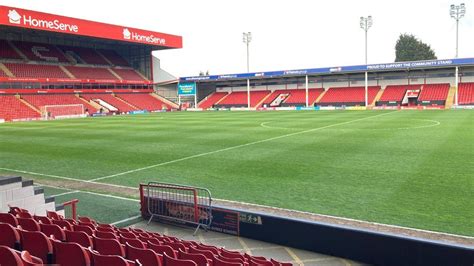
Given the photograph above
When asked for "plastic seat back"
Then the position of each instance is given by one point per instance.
(71, 254)
(37, 244)
(42, 219)
(8, 218)
(108, 246)
(29, 260)
(170, 261)
(83, 228)
(99, 259)
(8, 256)
(163, 249)
(200, 259)
(208, 254)
(29, 224)
(63, 224)
(147, 257)
(24, 215)
(53, 215)
(9, 236)
(55, 230)
(218, 261)
(106, 235)
(80, 238)
(133, 242)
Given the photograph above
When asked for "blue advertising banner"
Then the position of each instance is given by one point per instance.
(188, 88)
(341, 69)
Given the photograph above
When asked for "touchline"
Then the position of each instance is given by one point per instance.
(54, 25)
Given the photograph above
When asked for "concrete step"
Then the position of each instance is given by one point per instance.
(10, 182)
(29, 203)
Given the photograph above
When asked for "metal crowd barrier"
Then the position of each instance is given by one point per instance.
(179, 203)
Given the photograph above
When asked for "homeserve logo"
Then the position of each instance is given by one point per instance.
(30, 21)
(130, 35)
(14, 17)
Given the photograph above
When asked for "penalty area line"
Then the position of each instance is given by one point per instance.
(237, 146)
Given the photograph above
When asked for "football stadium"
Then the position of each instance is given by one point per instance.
(108, 159)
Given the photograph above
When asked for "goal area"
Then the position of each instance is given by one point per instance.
(62, 111)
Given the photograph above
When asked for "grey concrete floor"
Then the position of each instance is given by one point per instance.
(250, 246)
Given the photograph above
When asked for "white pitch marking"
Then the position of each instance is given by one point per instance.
(66, 193)
(236, 147)
(126, 220)
(64, 178)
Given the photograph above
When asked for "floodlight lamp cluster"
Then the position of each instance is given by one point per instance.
(247, 37)
(366, 23)
(457, 11)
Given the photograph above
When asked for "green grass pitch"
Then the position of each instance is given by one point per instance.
(407, 168)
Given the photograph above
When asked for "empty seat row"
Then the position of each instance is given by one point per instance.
(434, 92)
(239, 98)
(466, 93)
(42, 52)
(348, 95)
(395, 93)
(86, 242)
(11, 108)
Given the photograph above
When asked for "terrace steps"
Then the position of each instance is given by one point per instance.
(19, 192)
(28, 104)
(69, 74)
(125, 102)
(263, 100)
(6, 70)
(115, 74)
(94, 104)
(377, 98)
(319, 97)
(18, 51)
(163, 99)
(450, 99)
(222, 98)
(103, 57)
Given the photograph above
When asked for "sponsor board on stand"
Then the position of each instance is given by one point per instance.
(30, 19)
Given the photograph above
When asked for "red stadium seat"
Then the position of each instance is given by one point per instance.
(199, 259)
(9, 236)
(71, 254)
(231, 254)
(162, 249)
(105, 229)
(108, 246)
(8, 219)
(147, 257)
(26, 215)
(55, 230)
(277, 263)
(29, 260)
(219, 261)
(112, 260)
(206, 253)
(53, 215)
(212, 249)
(87, 220)
(9, 257)
(134, 242)
(63, 224)
(466, 93)
(78, 237)
(177, 246)
(12, 108)
(128, 235)
(37, 244)
(29, 224)
(105, 235)
(82, 228)
(170, 261)
(42, 219)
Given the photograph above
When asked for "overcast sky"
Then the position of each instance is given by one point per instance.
(287, 34)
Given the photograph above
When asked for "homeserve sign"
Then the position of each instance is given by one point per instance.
(16, 18)
(128, 35)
